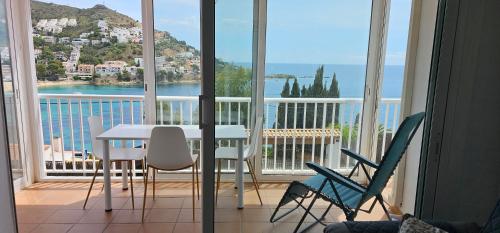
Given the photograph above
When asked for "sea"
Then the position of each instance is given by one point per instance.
(351, 79)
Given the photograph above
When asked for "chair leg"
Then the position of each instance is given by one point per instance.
(219, 164)
(92, 184)
(254, 179)
(145, 191)
(154, 184)
(143, 174)
(131, 183)
(192, 172)
(197, 180)
(381, 201)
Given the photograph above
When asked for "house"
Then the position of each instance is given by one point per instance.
(139, 61)
(95, 42)
(61, 56)
(64, 40)
(69, 67)
(103, 26)
(49, 39)
(110, 68)
(86, 69)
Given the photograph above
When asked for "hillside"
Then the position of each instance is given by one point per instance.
(43, 10)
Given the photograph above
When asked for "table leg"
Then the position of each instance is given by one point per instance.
(124, 169)
(240, 175)
(107, 178)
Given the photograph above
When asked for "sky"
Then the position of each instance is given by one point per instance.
(326, 32)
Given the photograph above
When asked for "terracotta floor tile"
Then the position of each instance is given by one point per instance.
(26, 227)
(66, 216)
(88, 228)
(117, 203)
(34, 215)
(162, 215)
(168, 202)
(123, 228)
(187, 228)
(157, 228)
(129, 216)
(53, 228)
(227, 215)
(98, 216)
(256, 215)
(186, 215)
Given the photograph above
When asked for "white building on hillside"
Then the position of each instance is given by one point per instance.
(122, 34)
(72, 23)
(110, 67)
(63, 22)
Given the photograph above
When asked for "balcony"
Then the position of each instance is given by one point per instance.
(286, 143)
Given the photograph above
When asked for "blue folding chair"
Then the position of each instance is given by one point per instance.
(344, 192)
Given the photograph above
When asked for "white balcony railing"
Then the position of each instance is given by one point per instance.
(296, 130)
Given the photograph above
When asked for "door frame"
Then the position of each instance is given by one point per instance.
(8, 219)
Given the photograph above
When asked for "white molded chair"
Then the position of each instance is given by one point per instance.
(115, 154)
(168, 151)
(231, 153)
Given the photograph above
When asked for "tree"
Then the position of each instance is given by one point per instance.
(38, 42)
(140, 75)
(295, 89)
(55, 69)
(285, 93)
(41, 71)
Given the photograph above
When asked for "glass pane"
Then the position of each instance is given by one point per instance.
(88, 58)
(233, 90)
(392, 84)
(10, 100)
(177, 61)
(315, 79)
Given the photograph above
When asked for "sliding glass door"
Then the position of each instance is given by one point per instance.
(11, 100)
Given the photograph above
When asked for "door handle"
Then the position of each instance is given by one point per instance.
(201, 125)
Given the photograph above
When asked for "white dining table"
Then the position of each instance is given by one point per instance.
(125, 132)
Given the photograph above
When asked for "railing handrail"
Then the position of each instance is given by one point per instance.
(219, 98)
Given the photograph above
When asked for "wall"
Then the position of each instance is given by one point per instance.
(418, 65)
(465, 184)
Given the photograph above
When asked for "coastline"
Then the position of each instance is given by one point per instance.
(44, 84)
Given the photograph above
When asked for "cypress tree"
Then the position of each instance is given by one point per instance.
(286, 90)
(295, 89)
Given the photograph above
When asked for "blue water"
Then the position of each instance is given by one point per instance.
(350, 78)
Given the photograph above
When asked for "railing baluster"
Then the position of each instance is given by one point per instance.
(72, 137)
(61, 132)
(314, 132)
(275, 137)
(266, 127)
(51, 133)
(341, 121)
(294, 135)
(303, 137)
(181, 112)
(394, 120)
(161, 113)
(284, 136)
(171, 104)
(384, 134)
(349, 138)
(82, 139)
(332, 135)
(323, 125)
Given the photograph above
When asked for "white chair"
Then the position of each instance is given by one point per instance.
(231, 153)
(168, 151)
(115, 154)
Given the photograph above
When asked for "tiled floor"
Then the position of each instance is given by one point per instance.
(57, 207)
